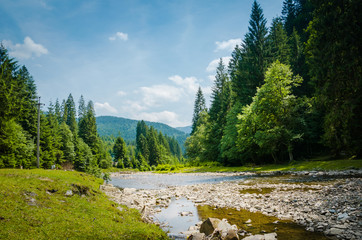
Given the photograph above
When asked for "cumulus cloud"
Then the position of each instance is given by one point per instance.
(228, 45)
(119, 35)
(166, 117)
(26, 50)
(104, 107)
(157, 94)
(121, 93)
(132, 106)
(214, 63)
(189, 83)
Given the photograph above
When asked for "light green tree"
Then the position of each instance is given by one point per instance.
(269, 125)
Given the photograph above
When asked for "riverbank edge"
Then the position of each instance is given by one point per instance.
(146, 200)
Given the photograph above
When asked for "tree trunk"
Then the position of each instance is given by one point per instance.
(275, 158)
(290, 155)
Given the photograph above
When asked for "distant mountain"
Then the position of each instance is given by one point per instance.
(186, 129)
(126, 128)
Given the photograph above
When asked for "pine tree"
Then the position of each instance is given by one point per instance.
(71, 114)
(220, 104)
(253, 57)
(198, 108)
(67, 143)
(88, 129)
(278, 42)
(335, 68)
(154, 148)
(27, 99)
(289, 15)
(82, 110)
(120, 151)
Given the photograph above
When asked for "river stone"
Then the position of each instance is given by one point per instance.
(334, 231)
(129, 190)
(231, 235)
(209, 225)
(69, 193)
(342, 216)
(270, 236)
(197, 236)
(254, 237)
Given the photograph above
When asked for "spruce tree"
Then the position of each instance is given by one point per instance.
(220, 104)
(88, 129)
(71, 119)
(253, 58)
(120, 151)
(278, 42)
(199, 106)
(334, 59)
(82, 110)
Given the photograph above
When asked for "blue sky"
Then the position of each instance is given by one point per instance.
(133, 59)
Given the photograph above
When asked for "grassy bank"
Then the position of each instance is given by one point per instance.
(34, 205)
(296, 166)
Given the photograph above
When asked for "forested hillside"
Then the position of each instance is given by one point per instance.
(68, 138)
(290, 91)
(126, 128)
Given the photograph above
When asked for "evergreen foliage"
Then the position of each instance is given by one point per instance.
(272, 115)
(199, 106)
(59, 142)
(153, 148)
(335, 63)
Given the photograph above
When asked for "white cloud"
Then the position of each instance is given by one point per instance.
(121, 93)
(105, 107)
(158, 94)
(189, 83)
(132, 107)
(211, 78)
(119, 35)
(214, 63)
(206, 90)
(228, 45)
(166, 117)
(25, 50)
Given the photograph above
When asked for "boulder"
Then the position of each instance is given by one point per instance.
(197, 236)
(254, 237)
(209, 225)
(270, 236)
(232, 234)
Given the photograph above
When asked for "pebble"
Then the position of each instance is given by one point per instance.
(332, 207)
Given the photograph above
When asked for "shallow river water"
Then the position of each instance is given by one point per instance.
(173, 223)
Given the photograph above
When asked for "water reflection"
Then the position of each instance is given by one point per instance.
(171, 218)
(159, 181)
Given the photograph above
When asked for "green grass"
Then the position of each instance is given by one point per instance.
(34, 206)
(296, 166)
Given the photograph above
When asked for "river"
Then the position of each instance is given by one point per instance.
(178, 201)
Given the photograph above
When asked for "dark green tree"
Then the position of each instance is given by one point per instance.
(220, 105)
(88, 129)
(67, 143)
(334, 59)
(154, 148)
(278, 42)
(199, 106)
(71, 113)
(82, 109)
(120, 151)
(252, 59)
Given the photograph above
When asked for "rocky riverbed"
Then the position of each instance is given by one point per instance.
(332, 207)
